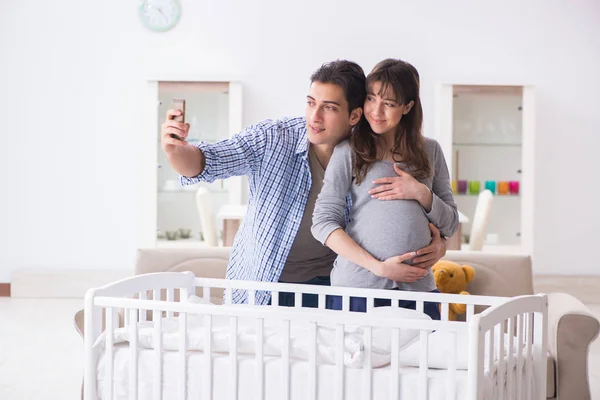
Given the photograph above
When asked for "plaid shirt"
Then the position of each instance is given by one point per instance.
(274, 156)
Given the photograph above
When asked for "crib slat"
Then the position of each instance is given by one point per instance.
(298, 299)
(520, 347)
(321, 301)
(208, 378)
(133, 358)
(490, 352)
(368, 363)
(529, 357)
(158, 355)
(170, 297)
(424, 366)
(109, 354)
(370, 303)
(470, 312)
(312, 362)
(252, 297)
(500, 352)
(275, 298)
(285, 355)
(142, 296)
(259, 358)
(420, 306)
(233, 330)
(156, 296)
(182, 355)
(445, 308)
(539, 361)
(206, 293)
(394, 370)
(228, 295)
(451, 376)
(510, 380)
(339, 361)
(346, 303)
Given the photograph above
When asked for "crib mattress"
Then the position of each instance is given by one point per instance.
(273, 382)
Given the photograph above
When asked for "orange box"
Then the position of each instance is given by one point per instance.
(502, 187)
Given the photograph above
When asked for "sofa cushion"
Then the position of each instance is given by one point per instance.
(496, 274)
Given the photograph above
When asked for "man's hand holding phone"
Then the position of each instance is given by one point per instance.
(174, 130)
(186, 159)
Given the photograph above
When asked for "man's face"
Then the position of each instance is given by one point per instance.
(328, 120)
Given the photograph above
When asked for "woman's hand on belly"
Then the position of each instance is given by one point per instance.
(402, 187)
(394, 269)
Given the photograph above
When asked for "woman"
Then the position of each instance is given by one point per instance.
(388, 141)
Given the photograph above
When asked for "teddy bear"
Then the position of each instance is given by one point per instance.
(452, 278)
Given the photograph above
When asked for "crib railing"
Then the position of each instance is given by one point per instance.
(526, 316)
(515, 333)
(273, 289)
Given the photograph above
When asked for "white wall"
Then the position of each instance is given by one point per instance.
(72, 86)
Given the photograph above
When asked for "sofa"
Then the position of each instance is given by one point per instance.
(571, 325)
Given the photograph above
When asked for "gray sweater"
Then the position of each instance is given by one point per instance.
(383, 228)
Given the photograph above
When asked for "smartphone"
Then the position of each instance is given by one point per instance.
(179, 104)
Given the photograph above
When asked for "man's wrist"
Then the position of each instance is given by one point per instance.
(376, 267)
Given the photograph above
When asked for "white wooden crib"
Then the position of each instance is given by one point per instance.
(300, 353)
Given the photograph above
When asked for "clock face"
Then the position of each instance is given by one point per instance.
(160, 15)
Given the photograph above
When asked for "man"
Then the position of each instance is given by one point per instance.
(285, 162)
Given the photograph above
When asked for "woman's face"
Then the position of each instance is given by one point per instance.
(382, 111)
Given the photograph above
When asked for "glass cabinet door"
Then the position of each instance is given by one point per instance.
(487, 154)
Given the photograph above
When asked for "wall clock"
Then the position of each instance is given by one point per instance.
(160, 15)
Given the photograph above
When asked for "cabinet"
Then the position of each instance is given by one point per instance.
(487, 132)
(214, 112)
(487, 147)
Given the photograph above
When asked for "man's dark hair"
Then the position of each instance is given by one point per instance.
(349, 76)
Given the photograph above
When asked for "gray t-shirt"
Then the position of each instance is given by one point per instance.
(383, 228)
(308, 258)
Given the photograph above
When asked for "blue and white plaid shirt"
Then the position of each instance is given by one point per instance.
(274, 156)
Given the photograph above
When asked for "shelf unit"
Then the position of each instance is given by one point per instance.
(173, 209)
(487, 133)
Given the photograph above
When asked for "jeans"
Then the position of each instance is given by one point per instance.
(360, 304)
(308, 300)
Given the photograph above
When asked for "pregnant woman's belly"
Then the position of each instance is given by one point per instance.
(390, 228)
